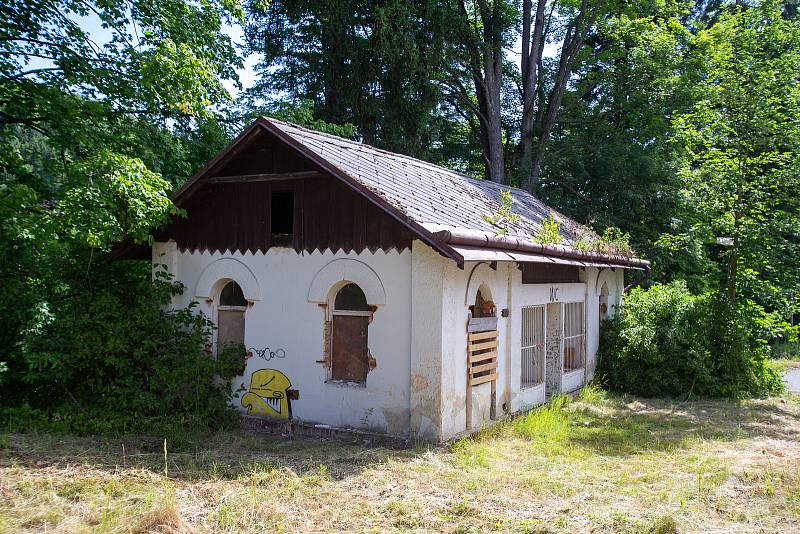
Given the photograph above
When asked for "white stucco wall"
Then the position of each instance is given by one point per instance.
(417, 336)
(285, 314)
(427, 328)
(457, 288)
(455, 306)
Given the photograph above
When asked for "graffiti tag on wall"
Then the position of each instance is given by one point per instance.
(266, 353)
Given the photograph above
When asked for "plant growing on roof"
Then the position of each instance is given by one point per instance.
(615, 242)
(504, 216)
(550, 231)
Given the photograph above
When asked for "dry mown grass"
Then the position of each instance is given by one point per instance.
(593, 465)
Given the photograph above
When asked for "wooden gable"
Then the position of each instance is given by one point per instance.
(230, 209)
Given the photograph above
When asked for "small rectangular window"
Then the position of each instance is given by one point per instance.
(282, 214)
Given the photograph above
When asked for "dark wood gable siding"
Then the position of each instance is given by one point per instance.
(546, 273)
(327, 214)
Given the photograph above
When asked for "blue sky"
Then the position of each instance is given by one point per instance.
(100, 35)
(92, 25)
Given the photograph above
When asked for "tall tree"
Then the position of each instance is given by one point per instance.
(610, 161)
(93, 135)
(742, 142)
(483, 31)
(540, 107)
(372, 64)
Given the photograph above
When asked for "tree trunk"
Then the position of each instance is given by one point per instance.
(532, 49)
(538, 120)
(482, 61)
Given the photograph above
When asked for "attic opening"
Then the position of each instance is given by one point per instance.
(282, 216)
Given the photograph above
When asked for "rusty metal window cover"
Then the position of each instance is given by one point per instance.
(532, 347)
(232, 296)
(573, 340)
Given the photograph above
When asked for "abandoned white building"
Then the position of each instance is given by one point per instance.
(371, 291)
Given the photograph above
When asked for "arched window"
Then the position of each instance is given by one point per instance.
(484, 307)
(349, 339)
(604, 302)
(231, 295)
(230, 317)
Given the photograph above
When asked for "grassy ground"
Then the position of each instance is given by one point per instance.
(596, 464)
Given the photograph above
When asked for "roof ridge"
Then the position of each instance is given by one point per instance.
(406, 157)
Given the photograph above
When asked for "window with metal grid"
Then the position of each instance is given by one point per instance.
(573, 340)
(532, 348)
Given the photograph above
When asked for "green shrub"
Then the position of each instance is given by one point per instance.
(667, 342)
(113, 358)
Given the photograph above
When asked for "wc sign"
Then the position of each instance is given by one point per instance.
(553, 294)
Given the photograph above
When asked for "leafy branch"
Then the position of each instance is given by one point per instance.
(504, 216)
(550, 232)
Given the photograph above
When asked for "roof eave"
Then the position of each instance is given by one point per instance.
(462, 237)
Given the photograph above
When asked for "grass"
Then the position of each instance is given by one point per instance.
(597, 463)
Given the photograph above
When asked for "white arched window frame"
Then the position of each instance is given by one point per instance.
(231, 311)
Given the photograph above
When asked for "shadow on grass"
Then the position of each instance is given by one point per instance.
(227, 455)
(654, 425)
(610, 427)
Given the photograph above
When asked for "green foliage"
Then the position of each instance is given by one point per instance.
(371, 64)
(303, 114)
(93, 136)
(667, 342)
(93, 370)
(788, 350)
(504, 216)
(614, 241)
(741, 148)
(122, 198)
(550, 231)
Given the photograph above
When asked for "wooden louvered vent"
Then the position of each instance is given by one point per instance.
(481, 367)
(482, 357)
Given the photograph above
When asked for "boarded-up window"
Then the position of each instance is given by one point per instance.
(349, 340)
(230, 317)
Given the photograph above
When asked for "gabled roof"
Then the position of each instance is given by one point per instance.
(445, 209)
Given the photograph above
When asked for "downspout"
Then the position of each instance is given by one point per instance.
(586, 325)
(510, 267)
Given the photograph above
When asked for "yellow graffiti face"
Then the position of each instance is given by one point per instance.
(267, 394)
